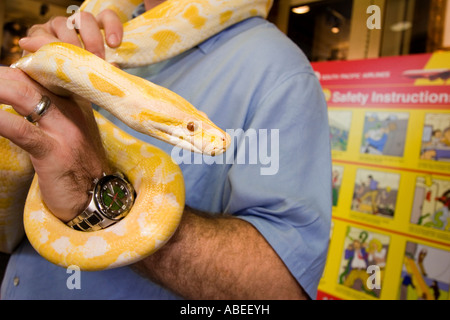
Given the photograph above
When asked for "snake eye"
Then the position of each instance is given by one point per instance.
(192, 126)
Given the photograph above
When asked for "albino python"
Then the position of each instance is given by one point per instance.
(160, 33)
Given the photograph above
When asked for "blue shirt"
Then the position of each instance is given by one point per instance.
(252, 80)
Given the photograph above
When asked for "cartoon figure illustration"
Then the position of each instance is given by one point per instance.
(406, 283)
(420, 260)
(436, 138)
(376, 138)
(358, 262)
(375, 192)
(443, 215)
(385, 133)
(363, 249)
(431, 203)
(425, 274)
(372, 194)
(377, 253)
(340, 123)
(435, 287)
(440, 219)
(420, 287)
(336, 182)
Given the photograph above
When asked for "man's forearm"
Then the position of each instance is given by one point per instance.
(220, 258)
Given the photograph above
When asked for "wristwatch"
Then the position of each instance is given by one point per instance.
(111, 200)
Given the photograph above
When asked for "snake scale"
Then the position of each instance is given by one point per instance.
(165, 31)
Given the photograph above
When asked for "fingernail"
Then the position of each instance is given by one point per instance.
(113, 40)
(23, 41)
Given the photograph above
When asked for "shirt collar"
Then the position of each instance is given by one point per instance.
(209, 44)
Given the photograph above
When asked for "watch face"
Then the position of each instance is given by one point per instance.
(115, 197)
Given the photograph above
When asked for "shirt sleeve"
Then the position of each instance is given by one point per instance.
(286, 195)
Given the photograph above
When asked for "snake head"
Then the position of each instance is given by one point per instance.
(202, 136)
(169, 117)
(142, 105)
(189, 130)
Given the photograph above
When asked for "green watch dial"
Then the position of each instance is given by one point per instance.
(115, 197)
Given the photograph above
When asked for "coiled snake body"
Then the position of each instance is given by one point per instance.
(161, 33)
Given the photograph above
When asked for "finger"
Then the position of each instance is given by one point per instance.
(55, 30)
(109, 21)
(38, 35)
(91, 35)
(151, 4)
(21, 96)
(24, 95)
(25, 135)
(64, 30)
(32, 44)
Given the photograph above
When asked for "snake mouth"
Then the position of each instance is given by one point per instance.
(220, 146)
(196, 136)
(212, 146)
(212, 142)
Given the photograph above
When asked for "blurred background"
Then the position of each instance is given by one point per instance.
(324, 29)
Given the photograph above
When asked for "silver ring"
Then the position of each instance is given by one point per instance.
(40, 109)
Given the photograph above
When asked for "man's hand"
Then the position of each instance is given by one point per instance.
(87, 34)
(64, 146)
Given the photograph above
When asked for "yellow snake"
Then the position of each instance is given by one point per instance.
(160, 33)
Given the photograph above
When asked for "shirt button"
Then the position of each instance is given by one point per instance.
(16, 281)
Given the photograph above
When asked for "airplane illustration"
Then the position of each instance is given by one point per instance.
(431, 74)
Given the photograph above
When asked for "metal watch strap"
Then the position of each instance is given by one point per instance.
(91, 219)
(86, 221)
